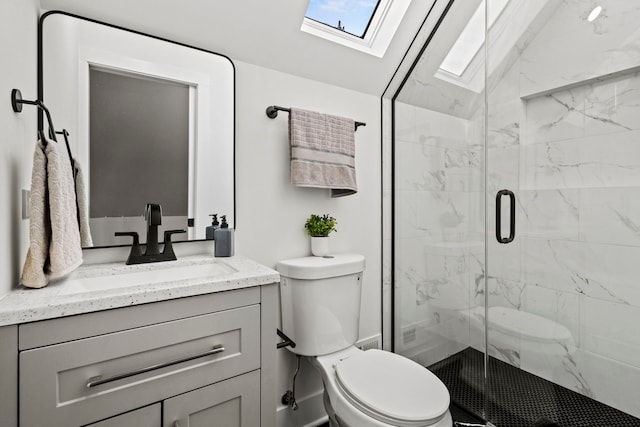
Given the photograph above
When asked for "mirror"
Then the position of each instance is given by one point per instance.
(149, 121)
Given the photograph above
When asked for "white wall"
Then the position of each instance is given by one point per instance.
(271, 212)
(18, 44)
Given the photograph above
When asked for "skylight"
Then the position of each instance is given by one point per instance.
(510, 22)
(471, 38)
(364, 25)
(352, 17)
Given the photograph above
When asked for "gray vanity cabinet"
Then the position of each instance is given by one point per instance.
(8, 375)
(149, 416)
(231, 403)
(199, 359)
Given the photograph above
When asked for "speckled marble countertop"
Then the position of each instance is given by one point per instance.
(153, 282)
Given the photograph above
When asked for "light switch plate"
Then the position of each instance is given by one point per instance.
(26, 197)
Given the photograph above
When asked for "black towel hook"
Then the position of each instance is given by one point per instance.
(16, 104)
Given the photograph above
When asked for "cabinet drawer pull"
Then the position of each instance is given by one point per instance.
(99, 380)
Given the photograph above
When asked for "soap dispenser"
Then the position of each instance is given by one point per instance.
(213, 227)
(224, 239)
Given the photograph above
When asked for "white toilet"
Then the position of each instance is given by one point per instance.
(320, 313)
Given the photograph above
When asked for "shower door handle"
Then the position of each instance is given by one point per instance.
(512, 216)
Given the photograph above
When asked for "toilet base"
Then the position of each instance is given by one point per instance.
(333, 418)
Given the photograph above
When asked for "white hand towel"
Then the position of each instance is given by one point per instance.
(33, 274)
(322, 152)
(54, 234)
(83, 208)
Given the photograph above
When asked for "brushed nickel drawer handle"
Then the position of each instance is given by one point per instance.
(99, 380)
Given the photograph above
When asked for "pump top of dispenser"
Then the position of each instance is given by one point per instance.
(224, 222)
(210, 230)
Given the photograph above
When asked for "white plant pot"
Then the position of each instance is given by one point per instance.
(320, 246)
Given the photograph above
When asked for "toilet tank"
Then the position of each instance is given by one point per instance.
(320, 300)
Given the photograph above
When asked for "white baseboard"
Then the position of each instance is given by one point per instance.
(310, 412)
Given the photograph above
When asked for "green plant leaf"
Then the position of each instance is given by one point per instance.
(320, 226)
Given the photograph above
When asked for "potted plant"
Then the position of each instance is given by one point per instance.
(319, 228)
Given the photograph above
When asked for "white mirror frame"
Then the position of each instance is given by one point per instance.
(70, 45)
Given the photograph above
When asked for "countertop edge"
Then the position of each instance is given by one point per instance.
(30, 305)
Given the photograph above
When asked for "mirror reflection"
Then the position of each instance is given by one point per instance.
(136, 124)
(150, 121)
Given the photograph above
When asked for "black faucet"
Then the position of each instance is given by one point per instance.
(153, 216)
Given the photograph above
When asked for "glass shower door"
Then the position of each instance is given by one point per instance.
(439, 210)
(563, 135)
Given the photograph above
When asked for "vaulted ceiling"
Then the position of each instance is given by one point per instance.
(261, 32)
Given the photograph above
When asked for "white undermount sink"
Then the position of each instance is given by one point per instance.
(132, 277)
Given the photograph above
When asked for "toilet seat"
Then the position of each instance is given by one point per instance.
(392, 389)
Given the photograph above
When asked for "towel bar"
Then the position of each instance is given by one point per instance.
(272, 113)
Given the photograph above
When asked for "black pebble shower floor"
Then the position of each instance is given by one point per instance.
(520, 399)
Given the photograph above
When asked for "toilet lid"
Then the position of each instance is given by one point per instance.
(392, 388)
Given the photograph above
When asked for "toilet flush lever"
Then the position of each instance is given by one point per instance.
(288, 342)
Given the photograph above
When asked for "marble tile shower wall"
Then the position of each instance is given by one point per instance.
(579, 239)
(438, 199)
(573, 159)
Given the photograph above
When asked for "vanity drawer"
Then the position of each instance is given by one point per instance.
(79, 382)
(149, 416)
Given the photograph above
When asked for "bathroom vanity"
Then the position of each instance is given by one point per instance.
(187, 343)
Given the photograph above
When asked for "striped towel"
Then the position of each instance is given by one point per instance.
(322, 152)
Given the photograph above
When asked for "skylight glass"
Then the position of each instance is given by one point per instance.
(471, 38)
(350, 16)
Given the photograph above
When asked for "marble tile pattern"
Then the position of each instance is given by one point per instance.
(575, 260)
(581, 50)
(576, 257)
(566, 139)
(28, 305)
(438, 202)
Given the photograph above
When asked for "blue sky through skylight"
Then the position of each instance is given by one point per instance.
(354, 15)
